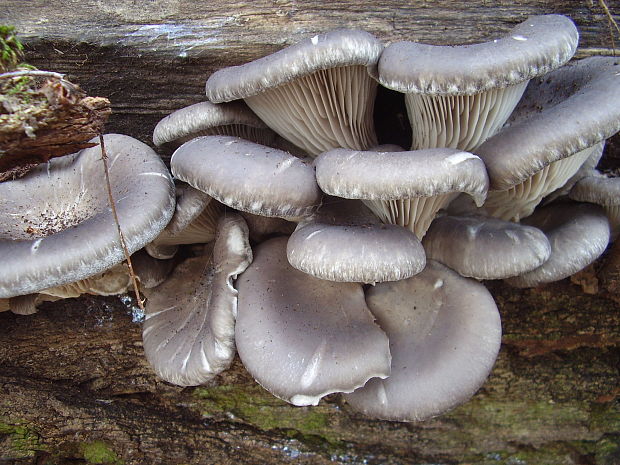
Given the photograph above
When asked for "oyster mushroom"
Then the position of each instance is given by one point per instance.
(56, 226)
(459, 96)
(318, 93)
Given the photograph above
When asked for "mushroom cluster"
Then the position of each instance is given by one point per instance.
(332, 264)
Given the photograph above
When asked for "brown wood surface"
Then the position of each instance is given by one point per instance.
(74, 384)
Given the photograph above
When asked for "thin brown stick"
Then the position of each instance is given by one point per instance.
(104, 157)
(611, 23)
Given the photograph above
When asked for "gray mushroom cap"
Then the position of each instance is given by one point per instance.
(56, 226)
(332, 49)
(597, 188)
(445, 333)
(302, 337)
(188, 330)
(248, 176)
(534, 47)
(400, 175)
(404, 188)
(578, 234)
(563, 113)
(345, 242)
(485, 248)
(206, 118)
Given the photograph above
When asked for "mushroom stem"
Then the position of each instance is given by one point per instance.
(104, 159)
(415, 214)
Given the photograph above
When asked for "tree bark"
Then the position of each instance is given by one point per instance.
(75, 385)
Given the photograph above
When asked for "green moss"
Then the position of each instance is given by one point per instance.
(256, 406)
(18, 439)
(11, 48)
(98, 452)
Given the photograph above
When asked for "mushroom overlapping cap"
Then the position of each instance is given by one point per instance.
(458, 96)
(248, 176)
(404, 188)
(604, 191)
(445, 333)
(562, 118)
(578, 234)
(302, 337)
(318, 93)
(485, 248)
(188, 330)
(344, 241)
(206, 118)
(56, 224)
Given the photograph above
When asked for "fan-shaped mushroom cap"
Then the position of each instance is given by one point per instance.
(578, 234)
(459, 96)
(445, 333)
(302, 337)
(562, 118)
(188, 330)
(207, 119)
(345, 242)
(406, 188)
(150, 271)
(318, 93)
(247, 176)
(485, 248)
(56, 226)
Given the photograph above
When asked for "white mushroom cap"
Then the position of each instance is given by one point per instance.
(248, 176)
(345, 242)
(485, 248)
(406, 188)
(578, 234)
(206, 118)
(56, 226)
(302, 337)
(188, 330)
(445, 333)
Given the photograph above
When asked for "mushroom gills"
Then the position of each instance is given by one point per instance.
(326, 109)
(521, 200)
(460, 121)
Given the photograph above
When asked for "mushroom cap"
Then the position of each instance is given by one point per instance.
(563, 113)
(151, 272)
(344, 47)
(188, 329)
(578, 234)
(597, 188)
(345, 242)
(190, 203)
(485, 248)
(532, 48)
(56, 226)
(302, 337)
(202, 116)
(248, 176)
(399, 175)
(445, 333)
